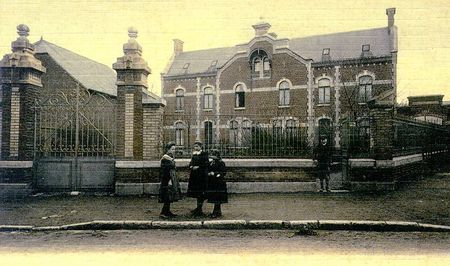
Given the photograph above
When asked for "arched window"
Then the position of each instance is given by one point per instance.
(239, 96)
(208, 133)
(284, 93)
(233, 133)
(365, 88)
(260, 64)
(179, 128)
(208, 98)
(324, 91)
(179, 93)
(325, 129)
(246, 132)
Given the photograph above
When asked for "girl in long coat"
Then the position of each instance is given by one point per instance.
(169, 190)
(198, 177)
(216, 191)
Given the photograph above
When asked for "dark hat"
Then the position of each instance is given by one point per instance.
(199, 143)
(169, 145)
(215, 153)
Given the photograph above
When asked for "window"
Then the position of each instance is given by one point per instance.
(325, 129)
(179, 99)
(260, 64)
(366, 47)
(239, 96)
(179, 140)
(326, 51)
(277, 128)
(246, 132)
(290, 127)
(284, 94)
(208, 98)
(208, 134)
(233, 133)
(324, 91)
(365, 88)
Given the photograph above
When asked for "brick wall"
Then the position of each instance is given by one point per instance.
(152, 138)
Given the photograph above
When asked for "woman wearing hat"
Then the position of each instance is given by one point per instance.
(169, 190)
(216, 191)
(198, 177)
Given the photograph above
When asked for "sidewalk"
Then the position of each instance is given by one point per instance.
(424, 201)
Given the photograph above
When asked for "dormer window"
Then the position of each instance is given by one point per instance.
(366, 50)
(260, 64)
(213, 66)
(185, 67)
(326, 54)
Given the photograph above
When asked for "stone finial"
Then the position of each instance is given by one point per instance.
(23, 30)
(132, 32)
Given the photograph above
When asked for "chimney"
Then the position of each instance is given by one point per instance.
(177, 46)
(261, 28)
(390, 12)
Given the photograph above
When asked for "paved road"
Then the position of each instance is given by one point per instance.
(224, 241)
(220, 247)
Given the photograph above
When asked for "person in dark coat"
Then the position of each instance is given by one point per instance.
(169, 190)
(198, 177)
(323, 157)
(216, 191)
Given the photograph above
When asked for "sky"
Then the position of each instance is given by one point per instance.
(97, 29)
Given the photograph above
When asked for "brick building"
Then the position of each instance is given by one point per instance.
(303, 85)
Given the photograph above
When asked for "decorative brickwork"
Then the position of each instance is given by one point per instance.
(129, 124)
(15, 120)
(152, 134)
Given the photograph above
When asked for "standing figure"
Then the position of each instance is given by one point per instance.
(169, 190)
(216, 191)
(323, 156)
(198, 177)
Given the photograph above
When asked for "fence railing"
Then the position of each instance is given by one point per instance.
(257, 136)
(413, 136)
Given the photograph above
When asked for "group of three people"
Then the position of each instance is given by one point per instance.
(206, 181)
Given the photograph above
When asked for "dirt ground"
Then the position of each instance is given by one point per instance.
(425, 200)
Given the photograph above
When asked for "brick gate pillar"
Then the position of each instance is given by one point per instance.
(132, 72)
(20, 79)
(382, 129)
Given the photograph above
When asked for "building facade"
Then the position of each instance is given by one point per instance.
(305, 85)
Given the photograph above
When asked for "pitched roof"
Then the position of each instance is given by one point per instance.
(344, 45)
(202, 61)
(92, 75)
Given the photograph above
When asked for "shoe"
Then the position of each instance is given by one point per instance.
(215, 215)
(320, 190)
(197, 213)
(172, 215)
(328, 190)
(164, 216)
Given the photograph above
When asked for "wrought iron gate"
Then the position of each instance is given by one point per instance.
(75, 137)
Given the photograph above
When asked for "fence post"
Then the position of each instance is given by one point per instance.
(20, 74)
(132, 71)
(382, 127)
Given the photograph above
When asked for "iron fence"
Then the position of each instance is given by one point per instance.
(414, 136)
(356, 137)
(254, 136)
